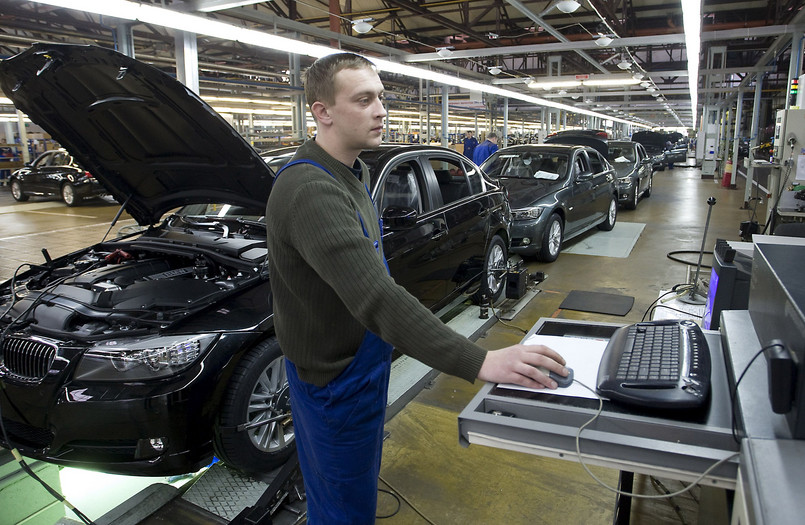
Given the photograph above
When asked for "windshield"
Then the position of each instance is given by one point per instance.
(527, 165)
(621, 154)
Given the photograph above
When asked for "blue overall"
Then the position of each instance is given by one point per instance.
(339, 430)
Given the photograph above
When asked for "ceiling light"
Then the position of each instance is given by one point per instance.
(362, 26)
(494, 70)
(624, 64)
(645, 84)
(567, 6)
(444, 52)
(603, 41)
(562, 92)
(638, 76)
(651, 90)
(655, 94)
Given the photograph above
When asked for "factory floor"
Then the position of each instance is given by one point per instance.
(434, 479)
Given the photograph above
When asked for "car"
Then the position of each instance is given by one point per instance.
(422, 189)
(556, 192)
(151, 353)
(654, 143)
(55, 172)
(676, 154)
(596, 133)
(633, 171)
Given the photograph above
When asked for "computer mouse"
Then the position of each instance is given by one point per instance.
(563, 382)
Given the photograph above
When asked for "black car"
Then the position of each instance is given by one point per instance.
(633, 171)
(55, 172)
(436, 242)
(556, 192)
(655, 144)
(148, 353)
(595, 133)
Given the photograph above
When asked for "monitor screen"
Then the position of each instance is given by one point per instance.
(711, 298)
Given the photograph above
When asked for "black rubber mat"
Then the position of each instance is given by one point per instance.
(597, 302)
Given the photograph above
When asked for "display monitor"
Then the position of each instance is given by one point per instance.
(729, 283)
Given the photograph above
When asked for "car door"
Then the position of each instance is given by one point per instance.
(579, 206)
(644, 167)
(36, 180)
(601, 187)
(467, 211)
(415, 251)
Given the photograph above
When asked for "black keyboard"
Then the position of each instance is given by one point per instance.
(658, 364)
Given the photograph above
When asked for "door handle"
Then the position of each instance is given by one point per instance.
(439, 232)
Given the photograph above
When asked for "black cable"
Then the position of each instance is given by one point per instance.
(734, 391)
(653, 308)
(674, 290)
(675, 252)
(27, 469)
(504, 323)
(399, 504)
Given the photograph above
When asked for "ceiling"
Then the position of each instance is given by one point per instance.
(524, 39)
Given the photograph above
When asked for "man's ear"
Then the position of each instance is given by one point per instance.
(319, 111)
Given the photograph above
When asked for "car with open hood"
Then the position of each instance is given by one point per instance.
(153, 352)
(655, 144)
(556, 192)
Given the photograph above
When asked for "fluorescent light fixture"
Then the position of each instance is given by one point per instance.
(603, 41)
(604, 82)
(494, 70)
(362, 26)
(220, 5)
(567, 6)
(444, 52)
(150, 14)
(553, 84)
(692, 18)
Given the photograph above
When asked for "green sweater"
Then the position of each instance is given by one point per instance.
(329, 283)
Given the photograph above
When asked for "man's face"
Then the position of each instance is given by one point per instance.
(358, 110)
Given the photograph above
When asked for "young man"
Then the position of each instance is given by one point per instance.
(470, 143)
(487, 147)
(337, 312)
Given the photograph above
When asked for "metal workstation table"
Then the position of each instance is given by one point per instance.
(674, 445)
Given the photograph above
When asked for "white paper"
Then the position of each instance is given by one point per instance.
(581, 354)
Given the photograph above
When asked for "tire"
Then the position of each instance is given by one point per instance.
(493, 280)
(612, 216)
(17, 191)
(552, 239)
(257, 391)
(647, 192)
(68, 195)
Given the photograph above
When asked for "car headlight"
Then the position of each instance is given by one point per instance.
(526, 213)
(140, 359)
(625, 180)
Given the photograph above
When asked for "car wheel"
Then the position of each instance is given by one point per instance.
(647, 191)
(16, 191)
(255, 431)
(493, 280)
(632, 204)
(68, 195)
(552, 240)
(612, 216)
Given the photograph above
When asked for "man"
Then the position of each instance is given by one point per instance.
(337, 312)
(487, 147)
(470, 143)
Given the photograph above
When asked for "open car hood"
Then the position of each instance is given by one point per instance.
(152, 142)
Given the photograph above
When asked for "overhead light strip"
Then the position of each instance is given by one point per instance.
(692, 18)
(190, 23)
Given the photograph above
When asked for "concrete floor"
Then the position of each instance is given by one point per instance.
(436, 480)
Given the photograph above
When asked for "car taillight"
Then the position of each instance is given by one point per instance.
(88, 174)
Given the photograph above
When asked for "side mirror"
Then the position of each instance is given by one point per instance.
(584, 177)
(399, 217)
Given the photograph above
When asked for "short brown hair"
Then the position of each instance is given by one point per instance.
(319, 78)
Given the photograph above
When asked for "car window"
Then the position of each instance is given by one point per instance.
(401, 187)
(453, 183)
(641, 153)
(596, 163)
(528, 165)
(474, 179)
(43, 160)
(60, 158)
(580, 165)
(621, 154)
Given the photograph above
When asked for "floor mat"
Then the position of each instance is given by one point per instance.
(598, 302)
(616, 243)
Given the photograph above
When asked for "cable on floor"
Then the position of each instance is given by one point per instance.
(406, 500)
(399, 504)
